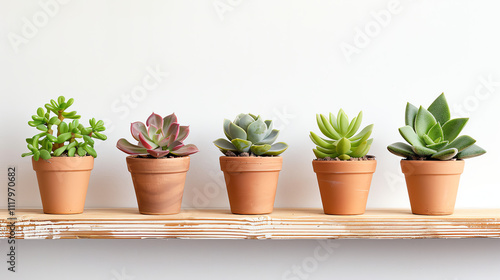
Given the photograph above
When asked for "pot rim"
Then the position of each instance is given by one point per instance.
(342, 166)
(63, 164)
(432, 167)
(250, 164)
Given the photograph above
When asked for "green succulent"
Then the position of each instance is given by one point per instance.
(343, 142)
(433, 135)
(68, 138)
(249, 133)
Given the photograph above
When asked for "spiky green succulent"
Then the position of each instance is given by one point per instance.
(58, 138)
(249, 133)
(433, 135)
(343, 142)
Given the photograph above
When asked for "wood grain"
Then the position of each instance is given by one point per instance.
(281, 224)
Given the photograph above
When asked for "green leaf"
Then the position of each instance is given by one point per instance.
(355, 124)
(423, 151)
(40, 112)
(63, 127)
(27, 154)
(60, 150)
(60, 99)
(327, 151)
(90, 150)
(436, 132)
(257, 131)
(446, 154)
(333, 122)
(452, 128)
(54, 121)
(471, 151)
(64, 137)
(360, 150)
(276, 149)
(225, 145)
(321, 142)
(424, 121)
(245, 121)
(241, 145)
(71, 152)
(42, 127)
(270, 138)
(320, 154)
(410, 114)
(100, 136)
(410, 136)
(343, 123)
(81, 152)
(237, 132)
(69, 103)
(36, 155)
(260, 149)
(343, 146)
(330, 132)
(439, 108)
(44, 154)
(438, 146)
(367, 130)
(462, 142)
(428, 140)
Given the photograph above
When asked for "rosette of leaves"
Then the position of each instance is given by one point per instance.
(250, 134)
(343, 142)
(159, 137)
(57, 137)
(431, 134)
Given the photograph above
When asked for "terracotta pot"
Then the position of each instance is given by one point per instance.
(63, 183)
(251, 183)
(344, 185)
(432, 185)
(158, 183)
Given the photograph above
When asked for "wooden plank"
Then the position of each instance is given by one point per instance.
(281, 224)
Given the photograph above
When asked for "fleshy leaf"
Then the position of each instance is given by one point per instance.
(320, 154)
(424, 121)
(342, 122)
(367, 130)
(270, 138)
(401, 149)
(410, 136)
(321, 142)
(152, 129)
(256, 131)
(186, 150)
(237, 132)
(439, 108)
(245, 121)
(241, 145)
(168, 120)
(472, 151)
(331, 132)
(410, 114)
(452, 128)
(225, 145)
(137, 128)
(462, 142)
(343, 146)
(131, 149)
(357, 123)
(277, 149)
(183, 133)
(436, 132)
(157, 153)
(226, 128)
(154, 119)
(148, 144)
(423, 151)
(446, 154)
(173, 132)
(260, 149)
(438, 146)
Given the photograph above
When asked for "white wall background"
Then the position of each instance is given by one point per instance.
(281, 59)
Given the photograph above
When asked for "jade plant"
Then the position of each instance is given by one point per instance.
(432, 134)
(343, 142)
(159, 137)
(60, 138)
(250, 135)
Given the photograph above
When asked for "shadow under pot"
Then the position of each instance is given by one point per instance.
(432, 185)
(344, 185)
(63, 183)
(158, 183)
(251, 183)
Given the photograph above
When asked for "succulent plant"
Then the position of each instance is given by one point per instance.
(160, 137)
(343, 142)
(70, 138)
(433, 135)
(250, 134)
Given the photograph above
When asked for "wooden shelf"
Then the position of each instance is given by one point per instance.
(281, 224)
